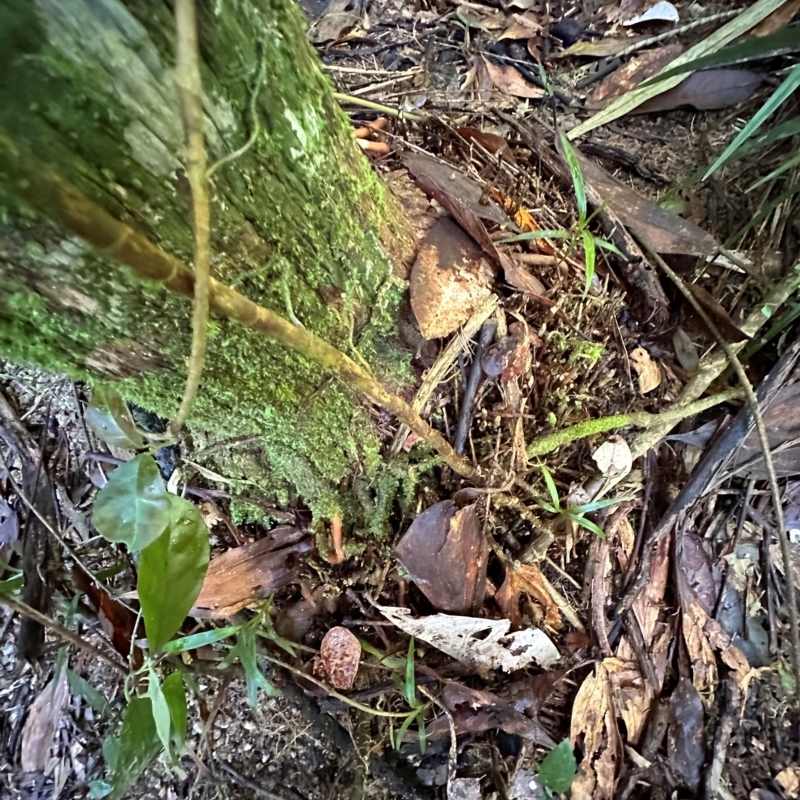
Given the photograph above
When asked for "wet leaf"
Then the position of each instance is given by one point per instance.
(108, 416)
(39, 730)
(133, 508)
(685, 745)
(510, 357)
(509, 81)
(718, 315)
(558, 768)
(526, 580)
(481, 644)
(248, 574)
(491, 142)
(175, 695)
(171, 572)
(613, 458)
(339, 657)
(445, 553)
(450, 278)
(648, 370)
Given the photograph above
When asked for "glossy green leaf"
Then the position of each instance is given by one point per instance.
(245, 650)
(137, 745)
(175, 695)
(775, 101)
(133, 507)
(604, 244)
(171, 572)
(11, 585)
(551, 487)
(201, 639)
(571, 157)
(108, 416)
(590, 252)
(84, 689)
(559, 768)
(160, 708)
(577, 519)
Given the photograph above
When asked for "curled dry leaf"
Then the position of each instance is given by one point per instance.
(481, 644)
(527, 581)
(613, 458)
(40, 726)
(445, 553)
(509, 81)
(449, 280)
(339, 657)
(510, 357)
(648, 370)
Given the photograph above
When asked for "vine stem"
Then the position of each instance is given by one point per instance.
(190, 92)
(761, 429)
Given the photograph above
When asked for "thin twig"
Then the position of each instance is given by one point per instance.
(70, 636)
(190, 90)
(394, 112)
(752, 400)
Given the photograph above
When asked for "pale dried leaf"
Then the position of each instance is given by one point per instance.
(482, 644)
(613, 458)
(40, 726)
(508, 80)
(778, 19)
(662, 11)
(789, 780)
(339, 657)
(648, 370)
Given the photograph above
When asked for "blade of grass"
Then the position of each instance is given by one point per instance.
(410, 686)
(590, 254)
(577, 177)
(577, 519)
(551, 488)
(788, 164)
(546, 234)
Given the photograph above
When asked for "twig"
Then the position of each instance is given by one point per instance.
(190, 90)
(70, 636)
(394, 112)
(640, 419)
(752, 400)
(47, 191)
(468, 398)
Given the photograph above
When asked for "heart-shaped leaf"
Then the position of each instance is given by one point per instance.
(171, 572)
(133, 507)
(108, 416)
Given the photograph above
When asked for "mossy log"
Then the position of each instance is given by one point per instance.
(301, 224)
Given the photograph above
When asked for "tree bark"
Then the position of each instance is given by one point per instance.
(300, 224)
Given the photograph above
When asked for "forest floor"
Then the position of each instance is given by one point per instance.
(645, 560)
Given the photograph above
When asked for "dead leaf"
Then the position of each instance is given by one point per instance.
(523, 26)
(647, 370)
(464, 789)
(526, 580)
(339, 17)
(631, 74)
(685, 744)
(40, 726)
(244, 575)
(718, 315)
(789, 779)
(450, 278)
(603, 48)
(482, 644)
(665, 232)
(491, 142)
(778, 19)
(593, 718)
(475, 711)
(445, 553)
(339, 657)
(613, 458)
(685, 350)
(508, 80)
(510, 357)
(662, 11)
(706, 90)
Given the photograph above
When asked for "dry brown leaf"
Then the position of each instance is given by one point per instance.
(339, 657)
(706, 90)
(602, 48)
(508, 80)
(339, 17)
(789, 780)
(633, 696)
(481, 644)
(450, 278)
(526, 580)
(648, 370)
(715, 311)
(510, 357)
(40, 726)
(523, 26)
(778, 19)
(491, 142)
(613, 458)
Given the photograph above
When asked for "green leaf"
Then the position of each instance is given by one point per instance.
(423, 734)
(11, 585)
(99, 789)
(137, 745)
(577, 176)
(111, 752)
(175, 695)
(85, 689)
(392, 662)
(410, 685)
(577, 519)
(133, 507)
(108, 416)
(246, 651)
(779, 170)
(403, 729)
(551, 487)
(604, 244)
(591, 255)
(201, 639)
(596, 505)
(160, 708)
(171, 572)
(545, 234)
(776, 99)
(559, 768)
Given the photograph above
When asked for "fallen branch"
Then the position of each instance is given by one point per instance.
(190, 90)
(639, 419)
(44, 188)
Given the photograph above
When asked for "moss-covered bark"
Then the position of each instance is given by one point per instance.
(300, 223)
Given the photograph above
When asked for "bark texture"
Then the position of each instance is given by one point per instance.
(300, 225)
